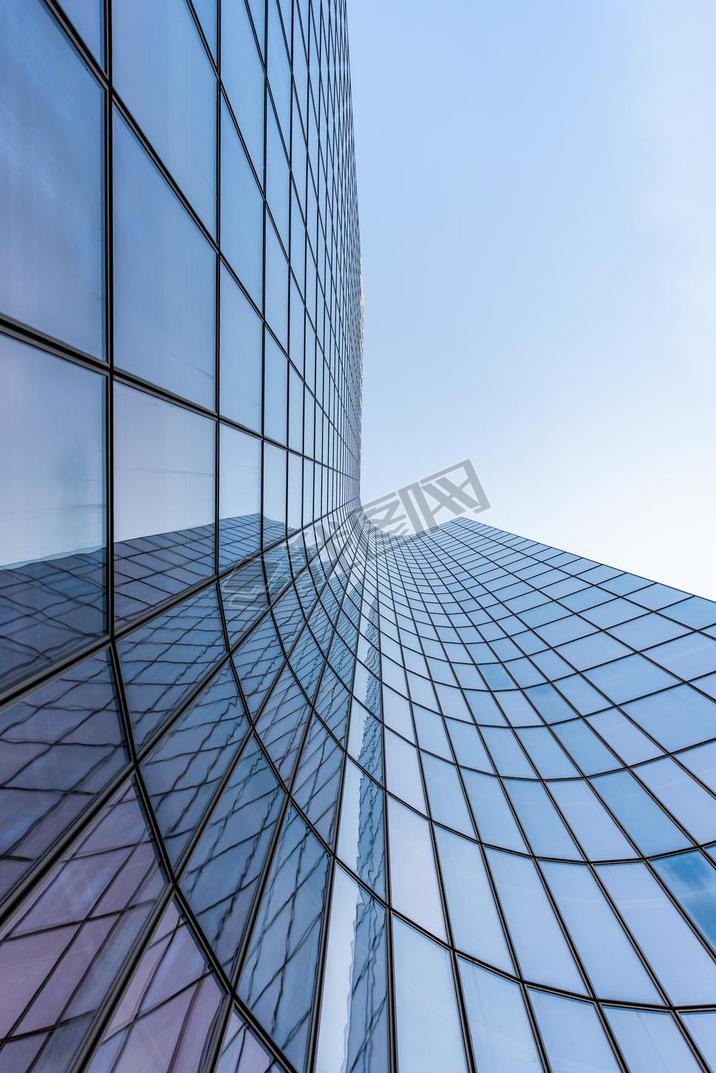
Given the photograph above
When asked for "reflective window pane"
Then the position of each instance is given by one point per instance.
(239, 496)
(240, 356)
(164, 279)
(51, 180)
(164, 77)
(164, 499)
(429, 1035)
(52, 517)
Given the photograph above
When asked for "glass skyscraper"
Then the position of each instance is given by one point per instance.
(280, 792)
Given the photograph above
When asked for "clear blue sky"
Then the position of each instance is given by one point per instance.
(537, 184)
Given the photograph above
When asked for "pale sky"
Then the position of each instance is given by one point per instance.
(537, 188)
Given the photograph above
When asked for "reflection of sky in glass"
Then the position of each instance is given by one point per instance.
(51, 434)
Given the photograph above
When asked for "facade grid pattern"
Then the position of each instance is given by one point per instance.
(281, 792)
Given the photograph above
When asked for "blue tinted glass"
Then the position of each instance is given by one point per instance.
(239, 496)
(447, 801)
(643, 820)
(500, 1032)
(184, 769)
(276, 285)
(596, 831)
(164, 279)
(241, 211)
(52, 527)
(361, 840)
(162, 661)
(242, 74)
(682, 964)
(475, 922)
(540, 946)
(572, 1035)
(650, 1041)
(607, 955)
(676, 718)
(51, 180)
(87, 16)
(429, 1035)
(206, 10)
(692, 805)
(279, 976)
(275, 392)
(274, 497)
(318, 778)
(163, 75)
(540, 820)
(60, 745)
(414, 883)
(353, 1034)
(240, 357)
(277, 188)
(164, 499)
(494, 819)
(223, 872)
(691, 878)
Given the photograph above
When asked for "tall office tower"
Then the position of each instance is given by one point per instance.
(281, 792)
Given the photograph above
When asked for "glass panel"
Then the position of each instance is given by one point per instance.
(540, 946)
(241, 209)
(702, 1027)
(607, 955)
(87, 17)
(52, 519)
(241, 1051)
(572, 1034)
(353, 1033)
(597, 832)
(164, 279)
(164, 499)
(163, 75)
(276, 285)
(414, 883)
(318, 778)
(676, 718)
(62, 950)
(644, 821)
(243, 77)
(274, 499)
(650, 1042)
(500, 1032)
(51, 181)
(677, 957)
(476, 925)
(540, 820)
(240, 356)
(275, 392)
(447, 801)
(223, 872)
(279, 976)
(692, 806)
(403, 770)
(361, 840)
(239, 496)
(691, 878)
(164, 659)
(60, 745)
(169, 1009)
(429, 1035)
(494, 819)
(186, 766)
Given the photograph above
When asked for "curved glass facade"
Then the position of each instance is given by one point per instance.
(280, 792)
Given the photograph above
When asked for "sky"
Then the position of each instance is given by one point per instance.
(537, 192)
